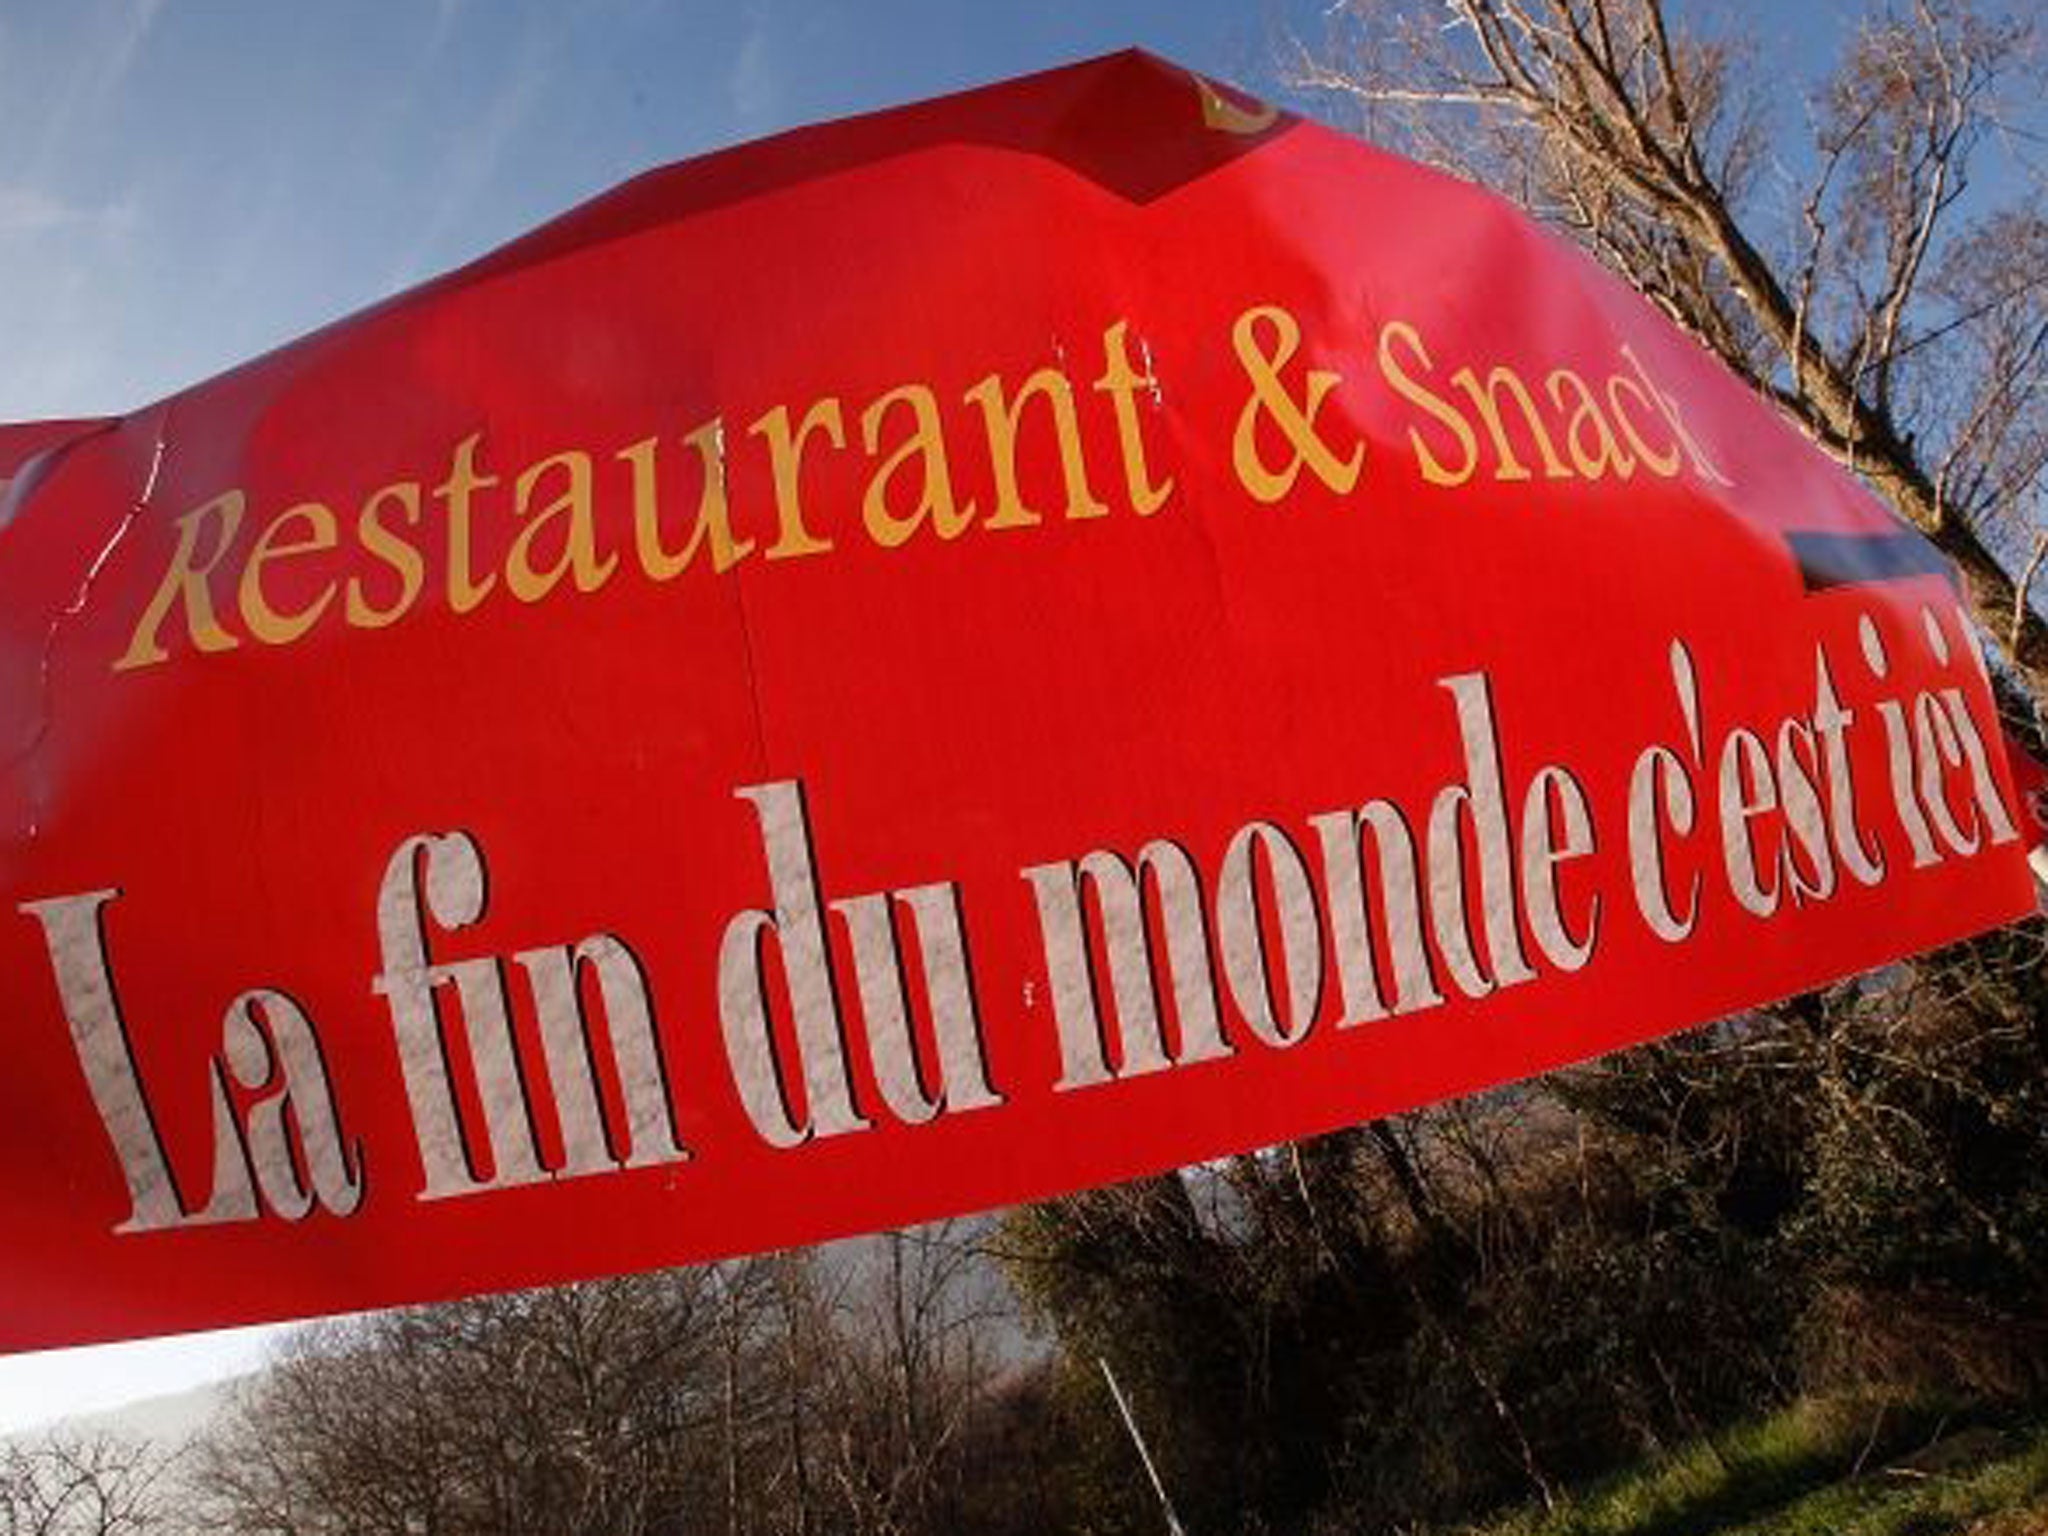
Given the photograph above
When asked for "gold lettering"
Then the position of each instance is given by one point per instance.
(1272, 400)
(927, 445)
(262, 617)
(1587, 414)
(1001, 416)
(1120, 381)
(1487, 402)
(1669, 408)
(465, 591)
(393, 551)
(714, 517)
(1428, 400)
(573, 506)
(186, 578)
(1664, 464)
(785, 457)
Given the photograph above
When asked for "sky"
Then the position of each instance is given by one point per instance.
(186, 183)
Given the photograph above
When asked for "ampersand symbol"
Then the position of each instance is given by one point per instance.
(1270, 398)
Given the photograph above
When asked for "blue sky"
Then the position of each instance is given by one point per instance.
(184, 183)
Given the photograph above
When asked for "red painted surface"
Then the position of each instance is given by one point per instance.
(957, 708)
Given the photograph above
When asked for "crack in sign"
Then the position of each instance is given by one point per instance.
(81, 598)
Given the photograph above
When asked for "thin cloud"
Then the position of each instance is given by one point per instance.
(482, 150)
(28, 210)
(755, 83)
(92, 84)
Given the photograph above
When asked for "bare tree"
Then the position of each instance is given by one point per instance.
(1879, 271)
(587, 1408)
(813, 1392)
(910, 1363)
(82, 1485)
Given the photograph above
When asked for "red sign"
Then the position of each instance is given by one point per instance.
(919, 664)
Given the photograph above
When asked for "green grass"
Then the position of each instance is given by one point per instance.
(1823, 1469)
